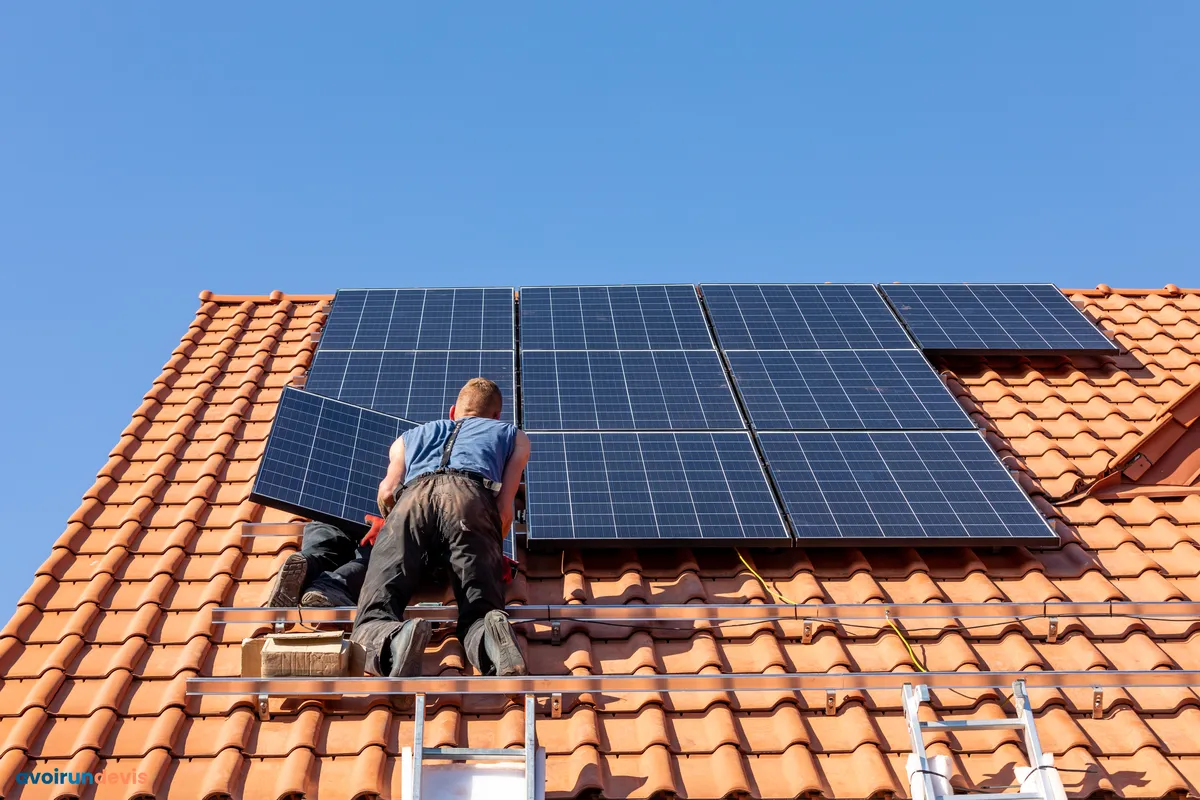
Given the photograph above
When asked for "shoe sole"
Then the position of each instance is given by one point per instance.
(286, 591)
(328, 593)
(316, 600)
(511, 663)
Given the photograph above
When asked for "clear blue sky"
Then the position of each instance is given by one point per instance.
(149, 151)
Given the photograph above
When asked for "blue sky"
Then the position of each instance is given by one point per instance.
(149, 151)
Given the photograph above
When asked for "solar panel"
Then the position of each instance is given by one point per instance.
(624, 390)
(843, 390)
(621, 488)
(419, 319)
(802, 317)
(664, 317)
(899, 487)
(419, 386)
(996, 318)
(324, 460)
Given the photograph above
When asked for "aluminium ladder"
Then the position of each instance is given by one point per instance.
(914, 696)
(528, 754)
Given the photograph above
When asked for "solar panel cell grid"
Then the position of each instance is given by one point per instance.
(802, 317)
(325, 457)
(419, 319)
(649, 486)
(995, 318)
(899, 486)
(624, 390)
(419, 386)
(612, 318)
(843, 390)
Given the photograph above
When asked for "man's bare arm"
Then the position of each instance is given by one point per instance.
(511, 481)
(394, 478)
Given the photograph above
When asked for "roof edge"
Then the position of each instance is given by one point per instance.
(274, 297)
(1103, 290)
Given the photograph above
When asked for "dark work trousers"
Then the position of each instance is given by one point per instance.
(336, 561)
(439, 519)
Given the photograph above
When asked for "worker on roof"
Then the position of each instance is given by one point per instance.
(448, 498)
(328, 571)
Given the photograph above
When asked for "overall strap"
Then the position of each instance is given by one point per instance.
(450, 443)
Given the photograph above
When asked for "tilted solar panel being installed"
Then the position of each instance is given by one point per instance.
(900, 488)
(655, 488)
(626, 390)
(995, 318)
(844, 390)
(419, 386)
(419, 319)
(802, 317)
(651, 317)
(325, 459)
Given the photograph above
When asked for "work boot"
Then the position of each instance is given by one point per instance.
(285, 592)
(325, 593)
(492, 648)
(403, 656)
(406, 647)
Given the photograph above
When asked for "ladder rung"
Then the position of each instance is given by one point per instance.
(972, 724)
(1015, 796)
(471, 754)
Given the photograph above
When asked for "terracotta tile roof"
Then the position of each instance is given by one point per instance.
(120, 615)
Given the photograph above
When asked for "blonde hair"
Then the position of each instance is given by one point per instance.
(479, 397)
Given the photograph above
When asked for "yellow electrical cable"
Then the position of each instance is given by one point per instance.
(781, 599)
(916, 663)
(778, 597)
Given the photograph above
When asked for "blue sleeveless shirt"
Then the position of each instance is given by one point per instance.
(483, 445)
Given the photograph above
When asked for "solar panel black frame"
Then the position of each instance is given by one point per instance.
(900, 488)
(420, 319)
(384, 380)
(622, 488)
(844, 390)
(666, 317)
(802, 316)
(626, 390)
(995, 319)
(310, 429)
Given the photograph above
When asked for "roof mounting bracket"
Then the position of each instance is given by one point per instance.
(1052, 635)
(556, 705)
(807, 634)
(1097, 703)
(830, 704)
(556, 632)
(264, 707)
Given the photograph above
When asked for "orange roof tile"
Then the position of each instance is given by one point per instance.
(120, 614)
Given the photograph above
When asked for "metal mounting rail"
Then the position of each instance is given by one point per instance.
(716, 682)
(742, 612)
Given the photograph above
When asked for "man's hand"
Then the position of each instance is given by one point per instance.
(386, 501)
